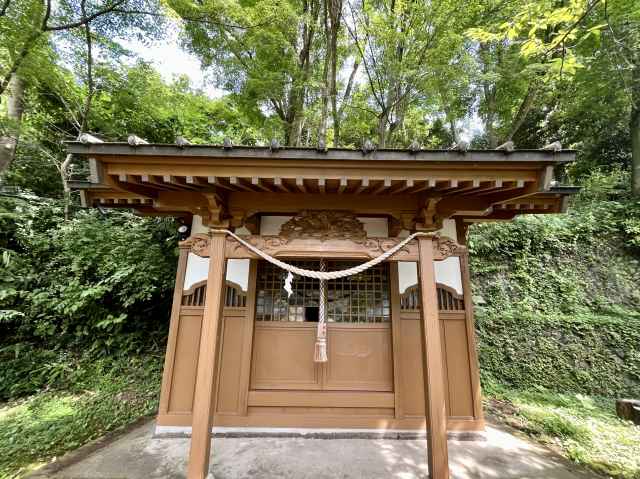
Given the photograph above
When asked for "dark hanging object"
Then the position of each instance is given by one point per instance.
(555, 146)
(507, 146)
(134, 140)
(227, 144)
(183, 232)
(368, 146)
(415, 146)
(460, 146)
(322, 145)
(182, 142)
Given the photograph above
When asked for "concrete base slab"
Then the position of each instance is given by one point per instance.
(314, 433)
(138, 454)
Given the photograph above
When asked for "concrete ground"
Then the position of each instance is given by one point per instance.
(138, 455)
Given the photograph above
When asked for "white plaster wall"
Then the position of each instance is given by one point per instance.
(407, 274)
(197, 270)
(197, 226)
(375, 227)
(238, 272)
(448, 272)
(449, 229)
(270, 225)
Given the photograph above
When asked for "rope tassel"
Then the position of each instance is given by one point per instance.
(320, 352)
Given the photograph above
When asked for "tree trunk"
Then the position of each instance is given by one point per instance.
(337, 113)
(324, 110)
(335, 18)
(382, 129)
(452, 126)
(15, 108)
(523, 111)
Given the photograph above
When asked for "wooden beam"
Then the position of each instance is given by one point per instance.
(408, 184)
(322, 185)
(237, 182)
(258, 183)
(343, 185)
(174, 180)
(471, 333)
(492, 187)
(451, 185)
(256, 202)
(277, 182)
(116, 183)
(364, 184)
(200, 448)
(470, 186)
(152, 181)
(216, 181)
(300, 184)
(197, 181)
(427, 185)
(385, 184)
(434, 385)
(167, 375)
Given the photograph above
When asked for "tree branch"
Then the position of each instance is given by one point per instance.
(572, 27)
(85, 19)
(523, 111)
(204, 20)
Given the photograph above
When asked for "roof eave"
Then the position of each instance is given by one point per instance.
(331, 154)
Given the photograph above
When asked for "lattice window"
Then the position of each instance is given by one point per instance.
(448, 299)
(234, 296)
(362, 298)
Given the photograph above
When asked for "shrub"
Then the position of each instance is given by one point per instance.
(98, 283)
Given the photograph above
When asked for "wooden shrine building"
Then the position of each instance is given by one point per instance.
(400, 343)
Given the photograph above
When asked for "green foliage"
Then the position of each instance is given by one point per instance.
(581, 353)
(557, 296)
(563, 264)
(584, 428)
(136, 100)
(97, 396)
(100, 282)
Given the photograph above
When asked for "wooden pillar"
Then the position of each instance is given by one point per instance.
(474, 365)
(434, 385)
(203, 399)
(167, 375)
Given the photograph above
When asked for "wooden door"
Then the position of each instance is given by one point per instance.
(359, 333)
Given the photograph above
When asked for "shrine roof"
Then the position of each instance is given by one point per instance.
(330, 154)
(241, 181)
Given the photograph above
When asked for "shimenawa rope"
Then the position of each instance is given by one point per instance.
(320, 350)
(326, 275)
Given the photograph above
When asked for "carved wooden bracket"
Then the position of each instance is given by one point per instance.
(431, 220)
(324, 225)
(279, 247)
(214, 213)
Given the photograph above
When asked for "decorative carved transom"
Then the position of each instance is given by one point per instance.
(324, 225)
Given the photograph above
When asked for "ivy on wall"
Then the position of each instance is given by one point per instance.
(581, 353)
(557, 297)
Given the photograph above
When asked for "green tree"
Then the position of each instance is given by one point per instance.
(264, 51)
(29, 29)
